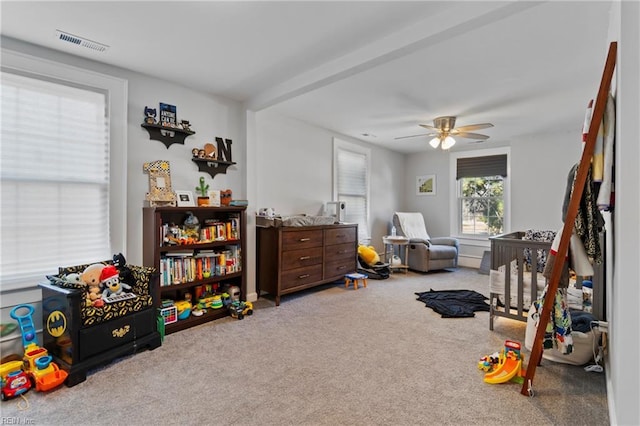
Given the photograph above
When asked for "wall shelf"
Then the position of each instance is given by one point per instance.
(167, 135)
(213, 167)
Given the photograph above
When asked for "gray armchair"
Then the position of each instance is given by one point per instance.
(425, 253)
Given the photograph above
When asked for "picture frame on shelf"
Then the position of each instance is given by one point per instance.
(185, 199)
(214, 198)
(426, 185)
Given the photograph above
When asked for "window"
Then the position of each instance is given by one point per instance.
(481, 189)
(57, 183)
(351, 184)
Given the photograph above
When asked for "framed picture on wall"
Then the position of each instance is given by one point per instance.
(185, 199)
(426, 185)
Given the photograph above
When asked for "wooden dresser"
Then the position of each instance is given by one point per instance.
(294, 258)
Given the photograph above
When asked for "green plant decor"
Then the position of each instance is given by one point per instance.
(202, 188)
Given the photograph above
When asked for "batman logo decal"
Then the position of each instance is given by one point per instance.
(56, 324)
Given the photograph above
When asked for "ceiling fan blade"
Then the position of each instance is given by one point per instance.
(473, 127)
(415, 136)
(426, 126)
(468, 135)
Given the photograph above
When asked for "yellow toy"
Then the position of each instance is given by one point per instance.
(368, 254)
(184, 309)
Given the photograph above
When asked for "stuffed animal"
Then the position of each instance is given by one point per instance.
(225, 197)
(110, 279)
(368, 254)
(91, 275)
(120, 263)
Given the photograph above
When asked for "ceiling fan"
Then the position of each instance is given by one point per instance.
(444, 129)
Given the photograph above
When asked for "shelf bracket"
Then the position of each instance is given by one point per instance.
(213, 167)
(167, 135)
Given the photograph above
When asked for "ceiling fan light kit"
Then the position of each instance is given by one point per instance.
(444, 130)
(448, 142)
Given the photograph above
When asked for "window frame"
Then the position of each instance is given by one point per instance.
(364, 235)
(455, 206)
(116, 90)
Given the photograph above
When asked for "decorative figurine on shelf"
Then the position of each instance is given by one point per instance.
(210, 151)
(191, 226)
(160, 193)
(150, 115)
(225, 197)
(203, 198)
(185, 125)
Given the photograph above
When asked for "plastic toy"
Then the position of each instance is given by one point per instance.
(184, 309)
(509, 366)
(239, 309)
(14, 380)
(488, 362)
(43, 373)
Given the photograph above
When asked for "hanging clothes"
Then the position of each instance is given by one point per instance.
(558, 332)
(589, 221)
(605, 193)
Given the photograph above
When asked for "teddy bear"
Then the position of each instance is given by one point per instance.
(91, 277)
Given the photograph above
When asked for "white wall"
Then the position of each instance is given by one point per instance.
(295, 171)
(624, 370)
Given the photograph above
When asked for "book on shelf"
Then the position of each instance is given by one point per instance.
(189, 267)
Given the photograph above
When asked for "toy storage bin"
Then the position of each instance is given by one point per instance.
(81, 337)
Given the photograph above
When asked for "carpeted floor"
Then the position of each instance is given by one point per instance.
(327, 356)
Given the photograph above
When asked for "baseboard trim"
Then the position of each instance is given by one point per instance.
(469, 261)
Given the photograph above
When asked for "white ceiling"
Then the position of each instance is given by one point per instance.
(355, 67)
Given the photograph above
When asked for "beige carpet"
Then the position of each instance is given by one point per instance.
(328, 356)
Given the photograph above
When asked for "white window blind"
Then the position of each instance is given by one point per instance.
(54, 178)
(353, 189)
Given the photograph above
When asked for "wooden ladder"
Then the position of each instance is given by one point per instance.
(576, 195)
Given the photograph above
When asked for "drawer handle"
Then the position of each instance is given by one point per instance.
(305, 257)
(303, 276)
(341, 267)
(343, 251)
(340, 236)
(302, 240)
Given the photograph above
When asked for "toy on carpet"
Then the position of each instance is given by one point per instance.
(509, 365)
(239, 309)
(43, 373)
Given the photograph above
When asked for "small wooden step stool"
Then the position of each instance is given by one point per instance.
(349, 278)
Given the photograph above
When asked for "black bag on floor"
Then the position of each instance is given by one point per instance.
(378, 271)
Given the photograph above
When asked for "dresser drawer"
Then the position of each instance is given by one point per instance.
(295, 240)
(293, 259)
(340, 235)
(301, 276)
(339, 268)
(346, 251)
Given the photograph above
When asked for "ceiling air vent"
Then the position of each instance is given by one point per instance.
(80, 41)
